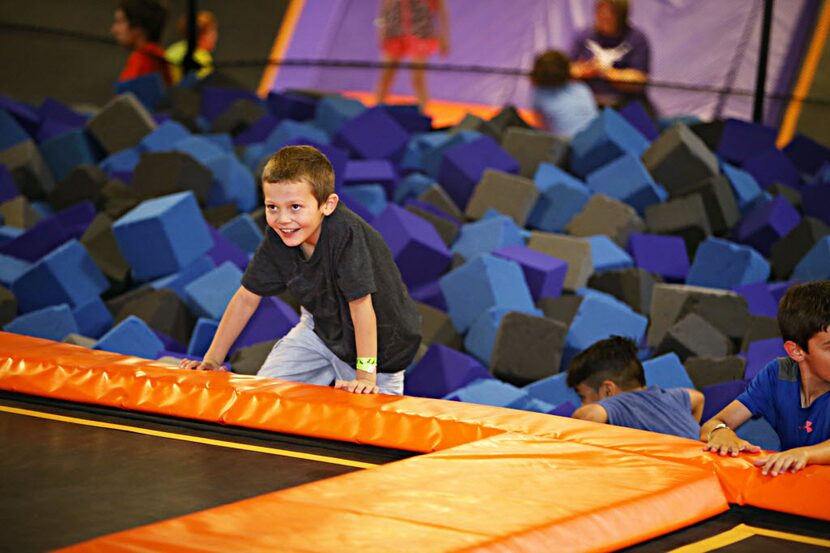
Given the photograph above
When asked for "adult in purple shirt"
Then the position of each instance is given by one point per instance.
(613, 57)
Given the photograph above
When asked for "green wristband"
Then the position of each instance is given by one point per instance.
(367, 364)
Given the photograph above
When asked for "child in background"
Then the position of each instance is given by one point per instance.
(565, 106)
(206, 36)
(358, 327)
(137, 25)
(790, 392)
(609, 378)
(408, 29)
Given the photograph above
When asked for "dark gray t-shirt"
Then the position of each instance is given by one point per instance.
(350, 261)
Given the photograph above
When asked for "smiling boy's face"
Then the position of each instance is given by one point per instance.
(294, 213)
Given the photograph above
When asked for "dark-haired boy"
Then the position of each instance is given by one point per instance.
(610, 380)
(137, 26)
(358, 328)
(790, 392)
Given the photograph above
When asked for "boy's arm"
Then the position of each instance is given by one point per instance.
(593, 412)
(366, 343)
(795, 459)
(719, 434)
(236, 316)
(697, 399)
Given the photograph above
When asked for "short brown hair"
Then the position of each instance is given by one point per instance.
(147, 15)
(613, 359)
(551, 68)
(305, 164)
(804, 311)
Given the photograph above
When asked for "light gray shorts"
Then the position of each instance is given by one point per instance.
(303, 357)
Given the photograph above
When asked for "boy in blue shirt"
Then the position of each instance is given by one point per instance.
(566, 106)
(358, 327)
(790, 392)
(610, 380)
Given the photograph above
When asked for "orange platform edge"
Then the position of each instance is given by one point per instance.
(490, 479)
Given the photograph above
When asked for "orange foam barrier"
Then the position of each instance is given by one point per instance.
(492, 478)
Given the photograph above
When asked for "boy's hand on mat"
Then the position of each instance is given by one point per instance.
(357, 386)
(203, 365)
(777, 463)
(726, 442)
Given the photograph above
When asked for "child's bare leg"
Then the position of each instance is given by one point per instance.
(387, 76)
(419, 82)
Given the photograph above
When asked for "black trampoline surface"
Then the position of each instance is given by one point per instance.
(762, 519)
(63, 482)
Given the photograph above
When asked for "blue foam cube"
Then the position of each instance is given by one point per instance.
(11, 268)
(561, 196)
(607, 137)
(606, 255)
(52, 323)
(66, 275)
(149, 89)
(554, 390)
(164, 137)
(163, 235)
(667, 371)
(499, 394)
(487, 235)
(746, 188)
(65, 152)
(202, 336)
(815, 265)
(93, 318)
(133, 337)
(208, 295)
(242, 231)
(11, 132)
(722, 264)
(626, 179)
(334, 111)
(484, 281)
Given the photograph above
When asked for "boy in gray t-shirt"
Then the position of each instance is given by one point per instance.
(609, 378)
(358, 326)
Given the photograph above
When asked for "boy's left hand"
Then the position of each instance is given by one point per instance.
(777, 463)
(357, 386)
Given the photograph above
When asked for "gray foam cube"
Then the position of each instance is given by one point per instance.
(527, 348)
(29, 170)
(576, 251)
(632, 286)
(685, 217)
(604, 215)
(531, 147)
(121, 123)
(667, 302)
(693, 336)
(707, 371)
(510, 194)
(679, 159)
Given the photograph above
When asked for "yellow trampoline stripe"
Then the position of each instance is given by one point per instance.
(742, 532)
(186, 438)
(805, 78)
(281, 41)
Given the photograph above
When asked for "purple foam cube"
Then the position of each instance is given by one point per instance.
(50, 129)
(742, 140)
(441, 371)
(25, 114)
(771, 166)
(46, 235)
(216, 100)
(463, 165)
(272, 319)
(760, 353)
(759, 299)
(8, 188)
(418, 249)
(544, 274)
(718, 396)
(815, 200)
(372, 171)
(225, 250)
(288, 105)
(373, 134)
(636, 114)
(765, 224)
(410, 117)
(430, 294)
(259, 131)
(663, 255)
(54, 110)
(807, 154)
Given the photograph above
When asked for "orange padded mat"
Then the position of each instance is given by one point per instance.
(490, 478)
